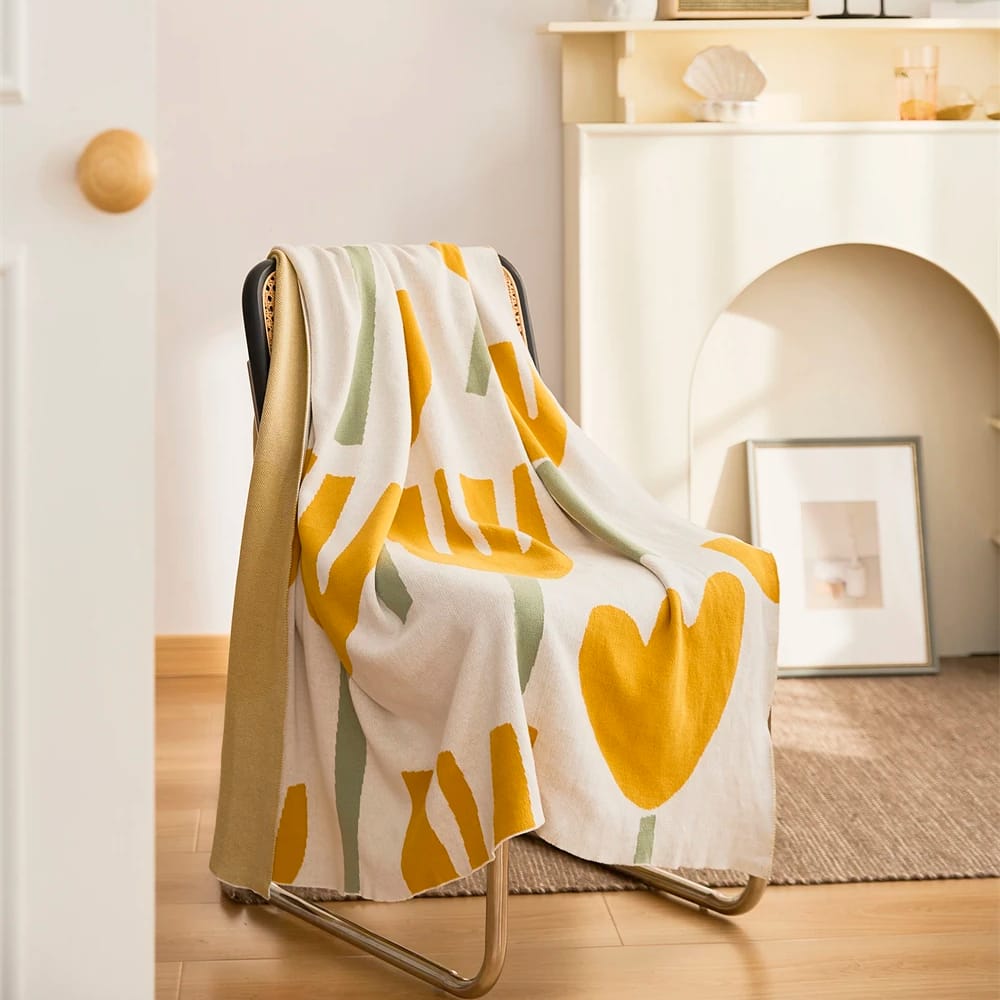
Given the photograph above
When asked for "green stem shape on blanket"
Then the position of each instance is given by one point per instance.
(644, 842)
(389, 586)
(529, 620)
(563, 493)
(480, 364)
(351, 429)
(349, 774)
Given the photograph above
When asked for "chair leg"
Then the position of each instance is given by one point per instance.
(410, 961)
(495, 950)
(695, 892)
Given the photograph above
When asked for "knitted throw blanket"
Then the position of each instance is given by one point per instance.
(457, 621)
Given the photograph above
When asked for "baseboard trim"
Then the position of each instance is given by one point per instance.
(191, 655)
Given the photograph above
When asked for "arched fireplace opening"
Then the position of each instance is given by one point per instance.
(856, 340)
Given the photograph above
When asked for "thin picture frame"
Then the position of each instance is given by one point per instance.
(827, 623)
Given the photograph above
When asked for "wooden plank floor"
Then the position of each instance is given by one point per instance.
(882, 941)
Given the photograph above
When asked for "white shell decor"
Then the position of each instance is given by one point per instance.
(722, 73)
(623, 10)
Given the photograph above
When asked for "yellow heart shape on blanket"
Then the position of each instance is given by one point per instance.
(761, 564)
(654, 706)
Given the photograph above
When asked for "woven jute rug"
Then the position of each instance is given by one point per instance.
(878, 779)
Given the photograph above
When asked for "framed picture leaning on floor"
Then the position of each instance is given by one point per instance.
(843, 519)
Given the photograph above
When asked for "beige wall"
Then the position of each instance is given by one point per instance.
(326, 122)
(857, 341)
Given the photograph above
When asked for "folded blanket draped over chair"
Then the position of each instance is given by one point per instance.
(457, 621)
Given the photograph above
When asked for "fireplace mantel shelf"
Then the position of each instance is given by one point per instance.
(790, 128)
(772, 24)
(817, 71)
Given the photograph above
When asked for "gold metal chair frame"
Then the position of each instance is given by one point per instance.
(495, 945)
(495, 933)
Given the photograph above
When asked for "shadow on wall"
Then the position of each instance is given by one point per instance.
(864, 341)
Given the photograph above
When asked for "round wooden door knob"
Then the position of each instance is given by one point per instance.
(117, 170)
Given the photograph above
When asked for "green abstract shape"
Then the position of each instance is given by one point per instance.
(351, 427)
(389, 586)
(529, 621)
(349, 773)
(480, 363)
(563, 493)
(644, 842)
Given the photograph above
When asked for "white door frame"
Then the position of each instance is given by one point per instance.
(77, 443)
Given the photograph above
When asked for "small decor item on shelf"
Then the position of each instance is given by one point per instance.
(623, 10)
(916, 82)
(843, 519)
(991, 103)
(698, 10)
(882, 13)
(845, 13)
(954, 104)
(729, 80)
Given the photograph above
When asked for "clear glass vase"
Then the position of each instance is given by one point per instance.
(916, 82)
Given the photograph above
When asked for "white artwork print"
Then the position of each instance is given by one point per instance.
(843, 524)
(841, 554)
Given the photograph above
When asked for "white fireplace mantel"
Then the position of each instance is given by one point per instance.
(667, 224)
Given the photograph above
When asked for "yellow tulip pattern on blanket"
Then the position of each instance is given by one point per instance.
(491, 628)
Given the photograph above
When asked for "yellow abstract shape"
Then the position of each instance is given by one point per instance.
(532, 734)
(529, 514)
(654, 706)
(543, 436)
(336, 608)
(481, 503)
(424, 860)
(456, 536)
(542, 558)
(459, 797)
(307, 463)
(409, 525)
(761, 564)
(480, 499)
(293, 832)
(453, 258)
(512, 812)
(418, 362)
